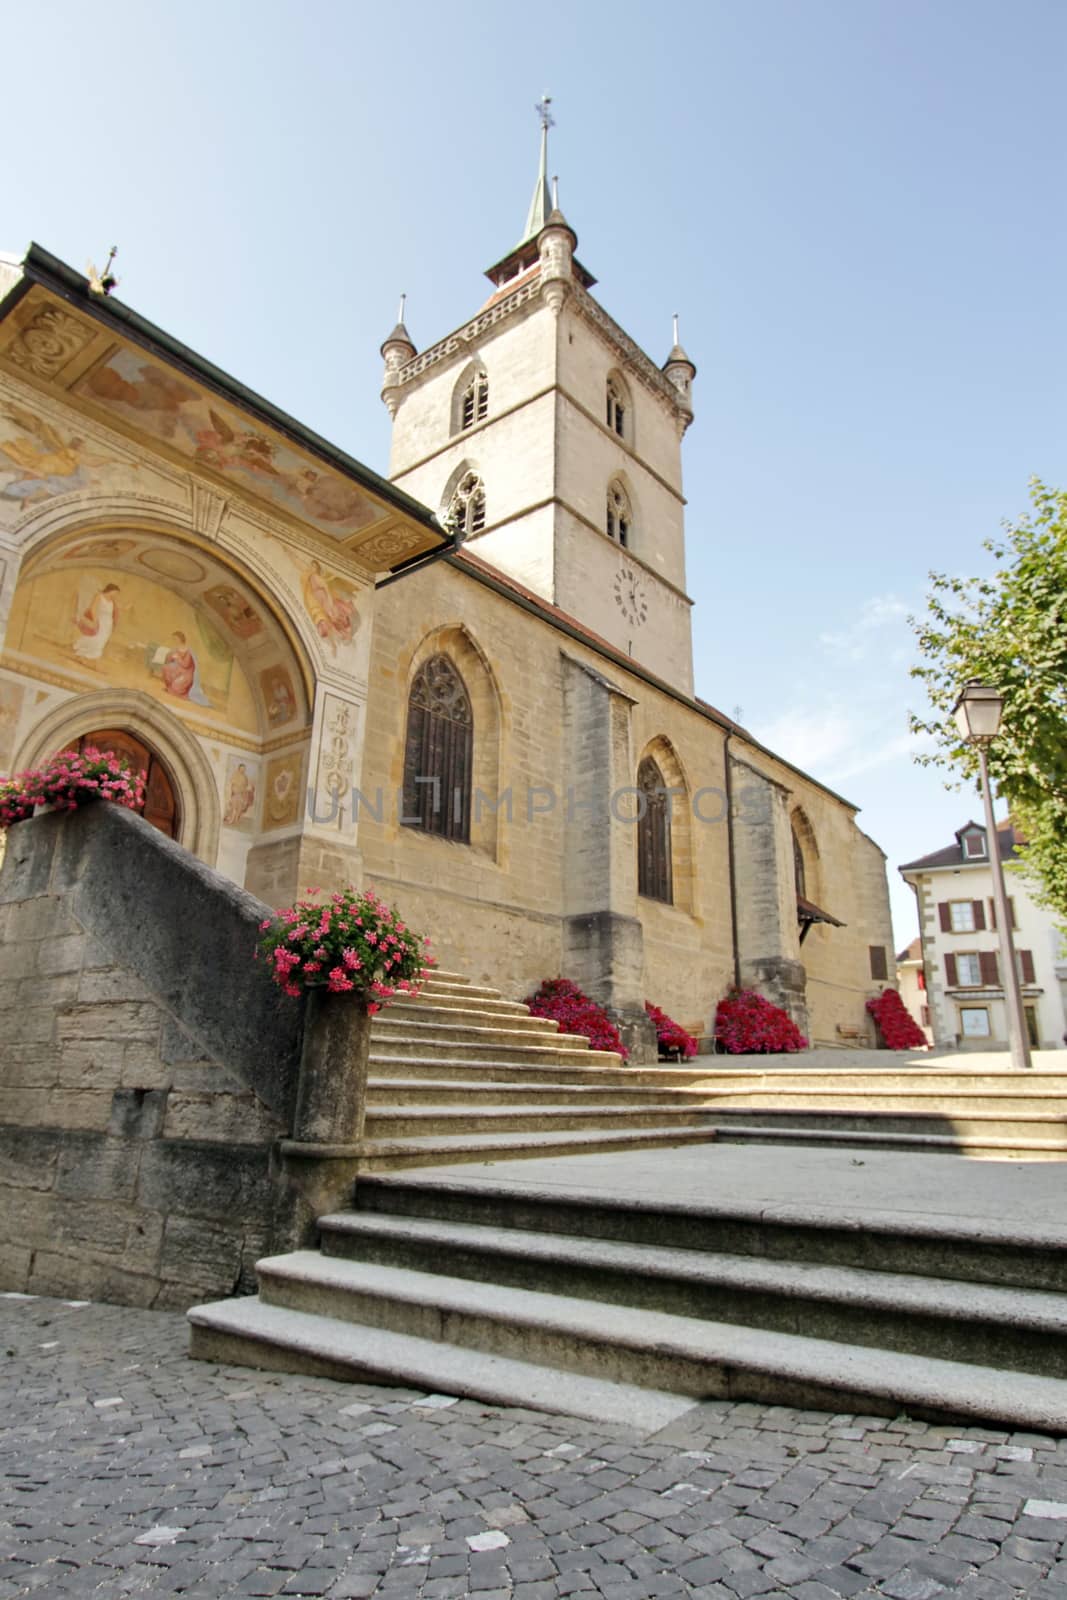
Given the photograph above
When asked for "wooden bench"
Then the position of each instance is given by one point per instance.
(851, 1031)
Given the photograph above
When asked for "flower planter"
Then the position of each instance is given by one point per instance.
(332, 1092)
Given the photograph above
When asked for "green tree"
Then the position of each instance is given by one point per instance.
(1010, 630)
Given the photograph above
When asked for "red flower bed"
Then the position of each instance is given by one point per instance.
(746, 1024)
(670, 1035)
(895, 1022)
(576, 1013)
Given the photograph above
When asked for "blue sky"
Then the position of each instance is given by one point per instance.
(855, 206)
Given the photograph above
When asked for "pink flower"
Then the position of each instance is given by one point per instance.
(337, 981)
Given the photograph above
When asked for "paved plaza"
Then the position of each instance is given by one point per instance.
(129, 1470)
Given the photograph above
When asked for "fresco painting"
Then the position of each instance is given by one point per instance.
(239, 794)
(330, 603)
(11, 698)
(214, 435)
(279, 696)
(39, 461)
(281, 791)
(132, 633)
(240, 617)
(99, 550)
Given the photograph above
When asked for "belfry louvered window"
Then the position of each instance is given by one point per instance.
(654, 834)
(475, 401)
(619, 518)
(466, 514)
(438, 752)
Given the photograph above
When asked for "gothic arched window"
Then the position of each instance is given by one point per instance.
(654, 835)
(466, 514)
(438, 752)
(475, 405)
(619, 516)
(616, 407)
(799, 873)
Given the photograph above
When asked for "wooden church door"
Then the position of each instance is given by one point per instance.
(160, 807)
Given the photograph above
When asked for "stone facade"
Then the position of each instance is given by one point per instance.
(185, 567)
(147, 1069)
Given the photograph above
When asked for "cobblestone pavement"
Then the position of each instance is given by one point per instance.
(126, 1469)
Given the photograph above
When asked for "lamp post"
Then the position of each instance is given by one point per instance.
(978, 711)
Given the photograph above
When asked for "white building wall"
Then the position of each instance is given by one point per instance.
(1034, 931)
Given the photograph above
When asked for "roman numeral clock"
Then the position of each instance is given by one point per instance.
(631, 597)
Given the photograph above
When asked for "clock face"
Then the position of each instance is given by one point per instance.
(631, 596)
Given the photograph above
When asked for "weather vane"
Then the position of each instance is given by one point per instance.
(547, 119)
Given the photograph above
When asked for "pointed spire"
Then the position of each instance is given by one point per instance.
(541, 204)
(400, 334)
(677, 356)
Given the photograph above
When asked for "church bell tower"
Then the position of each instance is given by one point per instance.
(552, 443)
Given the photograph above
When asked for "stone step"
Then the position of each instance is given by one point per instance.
(460, 1031)
(446, 1000)
(908, 1117)
(440, 1022)
(249, 1333)
(624, 1344)
(988, 1325)
(429, 1121)
(930, 1102)
(566, 1052)
(519, 1090)
(1030, 1256)
(980, 1147)
(588, 1071)
(393, 1155)
(950, 1080)
(454, 983)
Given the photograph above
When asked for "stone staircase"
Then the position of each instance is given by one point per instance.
(955, 1110)
(458, 1073)
(633, 1310)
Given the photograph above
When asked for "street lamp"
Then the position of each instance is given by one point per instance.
(977, 713)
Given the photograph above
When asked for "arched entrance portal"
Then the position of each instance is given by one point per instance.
(161, 807)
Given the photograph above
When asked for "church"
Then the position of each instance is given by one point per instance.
(468, 686)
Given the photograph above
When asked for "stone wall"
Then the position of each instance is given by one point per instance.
(147, 1068)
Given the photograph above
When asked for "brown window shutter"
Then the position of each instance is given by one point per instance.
(992, 913)
(878, 962)
(1011, 912)
(950, 971)
(979, 915)
(1026, 961)
(925, 1013)
(987, 961)
(945, 915)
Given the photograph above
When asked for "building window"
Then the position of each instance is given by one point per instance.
(616, 408)
(1024, 961)
(654, 835)
(974, 1022)
(799, 874)
(619, 517)
(969, 970)
(974, 844)
(466, 514)
(961, 916)
(475, 404)
(879, 969)
(438, 752)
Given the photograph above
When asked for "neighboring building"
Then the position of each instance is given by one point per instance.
(961, 948)
(504, 741)
(911, 982)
